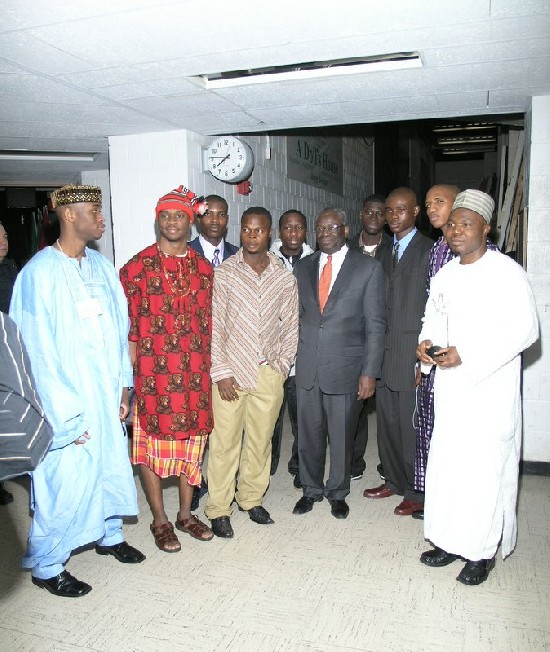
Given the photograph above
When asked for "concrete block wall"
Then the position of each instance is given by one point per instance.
(536, 377)
(146, 166)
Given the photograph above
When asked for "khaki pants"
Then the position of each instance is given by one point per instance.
(247, 454)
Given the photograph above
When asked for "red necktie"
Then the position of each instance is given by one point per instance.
(324, 283)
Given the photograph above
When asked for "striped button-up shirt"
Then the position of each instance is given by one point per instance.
(253, 316)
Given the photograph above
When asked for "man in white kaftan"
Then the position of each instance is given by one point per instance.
(482, 313)
(73, 317)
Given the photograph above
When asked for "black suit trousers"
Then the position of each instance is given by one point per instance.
(290, 401)
(397, 439)
(358, 464)
(326, 418)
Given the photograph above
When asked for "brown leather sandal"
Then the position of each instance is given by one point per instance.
(165, 536)
(197, 529)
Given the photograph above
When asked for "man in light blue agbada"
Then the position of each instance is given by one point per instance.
(73, 316)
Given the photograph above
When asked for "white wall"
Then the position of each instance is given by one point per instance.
(101, 178)
(536, 377)
(144, 167)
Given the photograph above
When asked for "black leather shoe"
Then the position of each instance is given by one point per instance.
(305, 504)
(339, 508)
(198, 493)
(437, 557)
(122, 552)
(296, 482)
(5, 496)
(259, 515)
(64, 585)
(221, 527)
(476, 572)
(419, 515)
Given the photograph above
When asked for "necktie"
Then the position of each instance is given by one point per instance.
(216, 259)
(324, 283)
(395, 255)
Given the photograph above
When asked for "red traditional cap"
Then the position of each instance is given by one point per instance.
(183, 199)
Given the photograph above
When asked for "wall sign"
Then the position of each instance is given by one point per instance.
(316, 160)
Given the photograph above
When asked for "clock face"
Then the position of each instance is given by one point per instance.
(230, 159)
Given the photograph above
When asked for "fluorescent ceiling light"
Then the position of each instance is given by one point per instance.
(466, 141)
(313, 70)
(27, 155)
(470, 126)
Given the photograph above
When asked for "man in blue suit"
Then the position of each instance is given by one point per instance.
(340, 350)
(211, 242)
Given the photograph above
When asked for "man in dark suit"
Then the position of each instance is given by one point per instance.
(406, 267)
(211, 241)
(340, 350)
(373, 241)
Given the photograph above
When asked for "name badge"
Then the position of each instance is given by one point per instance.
(89, 308)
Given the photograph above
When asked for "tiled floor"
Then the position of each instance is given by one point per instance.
(307, 583)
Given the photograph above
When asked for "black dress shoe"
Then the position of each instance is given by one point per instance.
(305, 504)
(5, 496)
(198, 493)
(64, 585)
(339, 508)
(122, 552)
(419, 515)
(221, 527)
(437, 557)
(296, 482)
(259, 515)
(476, 572)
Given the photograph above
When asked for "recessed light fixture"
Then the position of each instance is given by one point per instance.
(28, 155)
(312, 70)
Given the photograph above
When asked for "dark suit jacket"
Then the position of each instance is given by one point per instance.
(385, 245)
(406, 299)
(347, 340)
(228, 248)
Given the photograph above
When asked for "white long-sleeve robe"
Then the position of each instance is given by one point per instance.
(489, 313)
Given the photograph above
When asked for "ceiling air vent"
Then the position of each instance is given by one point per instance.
(312, 70)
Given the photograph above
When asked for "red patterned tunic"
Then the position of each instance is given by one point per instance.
(170, 306)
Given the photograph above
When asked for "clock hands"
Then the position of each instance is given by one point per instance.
(223, 158)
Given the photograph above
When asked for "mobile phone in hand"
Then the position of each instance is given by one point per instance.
(432, 351)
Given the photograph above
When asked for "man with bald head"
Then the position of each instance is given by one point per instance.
(439, 202)
(478, 365)
(340, 350)
(406, 266)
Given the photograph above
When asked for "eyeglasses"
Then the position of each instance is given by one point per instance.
(331, 228)
(398, 211)
(293, 227)
(370, 213)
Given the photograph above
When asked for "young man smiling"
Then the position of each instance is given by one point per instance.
(254, 339)
(169, 291)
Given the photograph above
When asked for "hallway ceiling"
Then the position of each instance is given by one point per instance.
(75, 72)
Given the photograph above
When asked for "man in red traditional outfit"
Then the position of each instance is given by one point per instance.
(169, 291)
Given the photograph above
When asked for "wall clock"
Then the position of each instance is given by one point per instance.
(230, 159)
